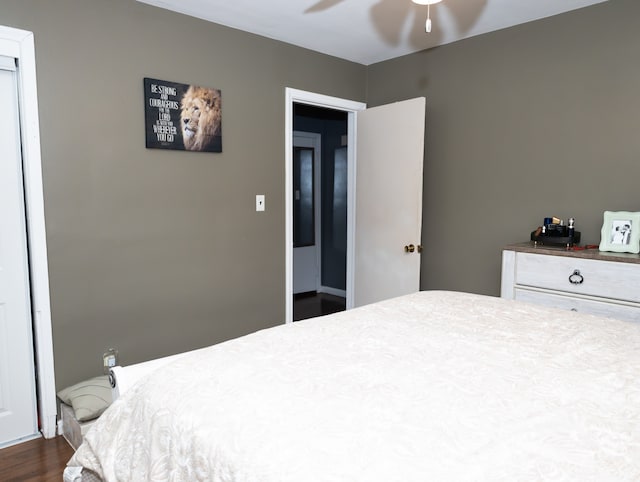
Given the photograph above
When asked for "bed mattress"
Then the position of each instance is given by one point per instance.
(430, 386)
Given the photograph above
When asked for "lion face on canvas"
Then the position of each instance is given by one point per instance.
(200, 118)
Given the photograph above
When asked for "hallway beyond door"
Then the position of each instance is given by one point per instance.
(312, 304)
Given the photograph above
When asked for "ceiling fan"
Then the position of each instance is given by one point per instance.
(389, 16)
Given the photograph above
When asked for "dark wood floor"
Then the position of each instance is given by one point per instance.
(309, 305)
(38, 460)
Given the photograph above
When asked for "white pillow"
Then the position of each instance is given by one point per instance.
(88, 398)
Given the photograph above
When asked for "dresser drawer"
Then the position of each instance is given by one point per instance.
(619, 281)
(600, 308)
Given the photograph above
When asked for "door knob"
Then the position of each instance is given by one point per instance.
(409, 249)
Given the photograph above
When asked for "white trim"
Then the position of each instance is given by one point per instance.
(351, 107)
(508, 277)
(332, 291)
(20, 45)
(352, 165)
(313, 140)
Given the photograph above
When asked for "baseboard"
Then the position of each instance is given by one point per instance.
(332, 291)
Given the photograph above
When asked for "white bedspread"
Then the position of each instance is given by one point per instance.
(431, 386)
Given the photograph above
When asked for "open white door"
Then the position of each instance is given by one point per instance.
(385, 153)
(306, 211)
(390, 154)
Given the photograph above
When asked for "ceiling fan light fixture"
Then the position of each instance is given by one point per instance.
(426, 2)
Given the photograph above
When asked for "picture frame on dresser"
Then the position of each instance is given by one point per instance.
(620, 232)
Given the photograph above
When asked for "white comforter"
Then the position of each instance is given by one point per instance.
(431, 386)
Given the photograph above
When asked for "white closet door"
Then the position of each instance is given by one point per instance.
(18, 419)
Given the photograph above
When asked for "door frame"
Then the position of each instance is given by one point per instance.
(20, 45)
(315, 140)
(295, 96)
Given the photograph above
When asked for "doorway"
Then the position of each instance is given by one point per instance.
(380, 263)
(320, 174)
(317, 106)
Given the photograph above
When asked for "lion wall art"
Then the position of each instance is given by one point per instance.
(182, 117)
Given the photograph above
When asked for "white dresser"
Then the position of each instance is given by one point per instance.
(606, 284)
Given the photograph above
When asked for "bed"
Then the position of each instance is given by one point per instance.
(435, 385)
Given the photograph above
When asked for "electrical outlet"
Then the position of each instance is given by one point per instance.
(109, 359)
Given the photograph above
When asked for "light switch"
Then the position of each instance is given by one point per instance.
(259, 202)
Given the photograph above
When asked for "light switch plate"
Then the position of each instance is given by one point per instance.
(259, 202)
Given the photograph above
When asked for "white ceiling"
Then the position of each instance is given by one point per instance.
(369, 31)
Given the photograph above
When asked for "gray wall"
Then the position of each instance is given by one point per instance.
(154, 252)
(537, 120)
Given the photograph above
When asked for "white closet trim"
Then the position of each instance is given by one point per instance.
(19, 44)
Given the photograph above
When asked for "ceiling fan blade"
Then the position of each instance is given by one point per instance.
(465, 14)
(322, 5)
(388, 16)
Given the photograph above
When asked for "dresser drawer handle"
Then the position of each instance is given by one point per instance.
(576, 278)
